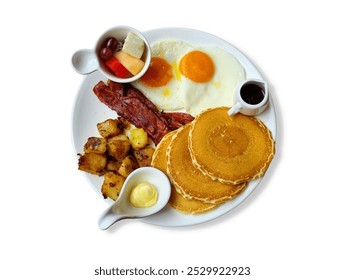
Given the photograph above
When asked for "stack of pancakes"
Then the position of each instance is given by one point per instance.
(210, 160)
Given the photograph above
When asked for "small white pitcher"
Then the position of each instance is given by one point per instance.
(251, 98)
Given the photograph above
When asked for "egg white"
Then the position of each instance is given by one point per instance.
(170, 96)
(220, 90)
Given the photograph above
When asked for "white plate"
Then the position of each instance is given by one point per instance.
(88, 111)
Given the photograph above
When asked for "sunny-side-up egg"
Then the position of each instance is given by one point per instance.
(162, 82)
(210, 77)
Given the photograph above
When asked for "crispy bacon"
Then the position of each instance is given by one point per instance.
(177, 119)
(132, 105)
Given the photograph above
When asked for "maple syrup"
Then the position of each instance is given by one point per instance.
(252, 94)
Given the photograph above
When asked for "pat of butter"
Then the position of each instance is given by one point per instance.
(131, 63)
(143, 195)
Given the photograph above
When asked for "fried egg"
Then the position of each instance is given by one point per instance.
(162, 82)
(210, 77)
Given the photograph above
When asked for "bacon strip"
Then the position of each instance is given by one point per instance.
(177, 119)
(132, 105)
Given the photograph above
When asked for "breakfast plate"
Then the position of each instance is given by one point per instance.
(88, 111)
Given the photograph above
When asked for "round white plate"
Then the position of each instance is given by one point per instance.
(88, 111)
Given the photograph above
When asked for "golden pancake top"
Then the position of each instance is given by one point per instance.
(177, 201)
(188, 180)
(230, 149)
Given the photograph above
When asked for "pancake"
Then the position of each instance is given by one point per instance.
(189, 206)
(188, 180)
(230, 149)
(177, 201)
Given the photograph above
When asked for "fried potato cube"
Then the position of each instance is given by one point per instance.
(112, 185)
(138, 138)
(128, 165)
(125, 124)
(109, 128)
(118, 146)
(92, 163)
(95, 145)
(113, 165)
(144, 156)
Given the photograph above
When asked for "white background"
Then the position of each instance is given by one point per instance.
(292, 227)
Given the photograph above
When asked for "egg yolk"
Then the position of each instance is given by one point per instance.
(158, 74)
(197, 66)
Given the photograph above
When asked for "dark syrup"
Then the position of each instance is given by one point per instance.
(252, 94)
